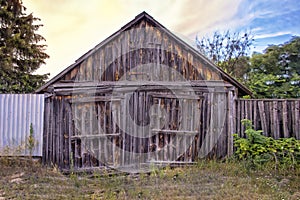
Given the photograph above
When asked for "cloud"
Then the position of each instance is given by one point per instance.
(272, 35)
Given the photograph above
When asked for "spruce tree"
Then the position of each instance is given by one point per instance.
(21, 51)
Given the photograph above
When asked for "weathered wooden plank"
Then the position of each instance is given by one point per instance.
(255, 117)
(230, 124)
(270, 116)
(71, 132)
(47, 131)
(285, 119)
(297, 119)
(242, 117)
(246, 110)
(262, 116)
(61, 133)
(250, 104)
(55, 139)
(239, 118)
(276, 120)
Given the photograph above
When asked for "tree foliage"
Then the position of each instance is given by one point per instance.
(21, 53)
(228, 50)
(260, 150)
(276, 72)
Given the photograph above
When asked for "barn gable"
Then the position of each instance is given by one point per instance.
(144, 50)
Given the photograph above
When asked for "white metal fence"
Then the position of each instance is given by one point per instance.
(17, 113)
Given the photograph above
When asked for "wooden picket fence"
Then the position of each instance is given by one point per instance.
(278, 118)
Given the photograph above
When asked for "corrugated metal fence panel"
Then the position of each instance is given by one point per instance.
(17, 112)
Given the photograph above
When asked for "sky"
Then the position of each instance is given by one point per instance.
(72, 27)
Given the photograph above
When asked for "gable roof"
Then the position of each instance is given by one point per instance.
(241, 88)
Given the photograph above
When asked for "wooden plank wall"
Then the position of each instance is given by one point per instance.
(143, 44)
(278, 118)
(82, 131)
(57, 129)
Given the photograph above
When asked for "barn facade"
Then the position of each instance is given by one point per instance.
(141, 97)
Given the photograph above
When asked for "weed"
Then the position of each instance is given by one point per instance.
(31, 142)
(256, 150)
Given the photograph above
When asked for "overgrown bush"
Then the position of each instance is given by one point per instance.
(259, 150)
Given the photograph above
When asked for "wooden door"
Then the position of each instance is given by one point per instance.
(135, 130)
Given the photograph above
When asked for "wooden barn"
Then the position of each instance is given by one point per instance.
(141, 97)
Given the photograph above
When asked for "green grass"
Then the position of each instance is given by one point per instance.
(205, 180)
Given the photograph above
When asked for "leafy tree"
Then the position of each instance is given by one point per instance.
(276, 72)
(228, 50)
(21, 53)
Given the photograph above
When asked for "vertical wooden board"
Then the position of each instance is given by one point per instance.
(212, 123)
(47, 131)
(230, 124)
(173, 126)
(120, 67)
(158, 36)
(223, 120)
(51, 132)
(243, 117)
(104, 144)
(136, 109)
(233, 110)
(70, 133)
(89, 68)
(238, 118)
(247, 111)
(91, 129)
(276, 119)
(268, 117)
(262, 117)
(200, 67)
(110, 145)
(183, 67)
(190, 67)
(119, 144)
(102, 67)
(129, 124)
(74, 73)
(251, 110)
(185, 114)
(297, 119)
(108, 62)
(83, 67)
(171, 62)
(57, 133)
(96, 66)
(255, 118)
(206, 124)
(114, 62)
(164, 58)
(99, 128)
(270, 111)
(62, 133)
(53, 142)
(52, 136)
(79, 73)
(285, 119)
(122, 129)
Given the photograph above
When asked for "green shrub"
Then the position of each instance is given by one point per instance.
(259, 150)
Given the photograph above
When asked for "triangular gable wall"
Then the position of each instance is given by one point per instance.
(143, 49)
